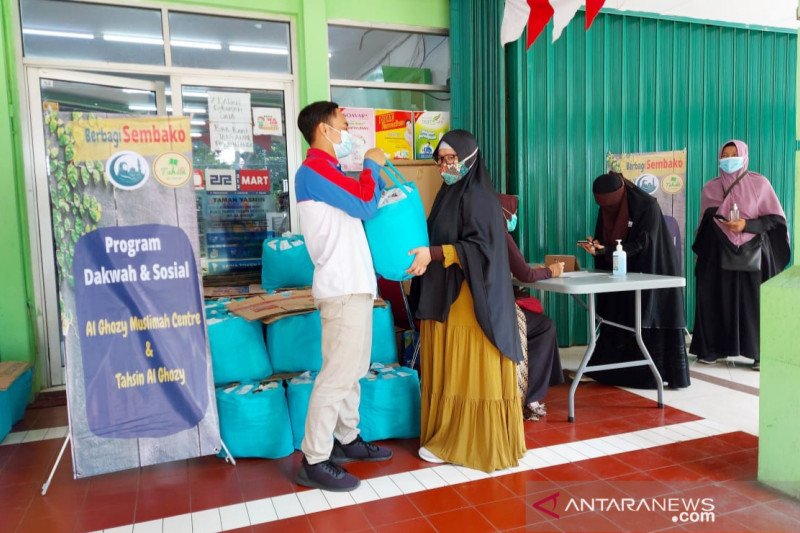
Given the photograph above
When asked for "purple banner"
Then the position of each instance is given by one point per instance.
(142, 335)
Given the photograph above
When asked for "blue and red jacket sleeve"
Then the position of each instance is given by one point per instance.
(320, 180)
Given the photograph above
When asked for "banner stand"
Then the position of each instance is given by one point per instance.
(228, 459)
(55, 465)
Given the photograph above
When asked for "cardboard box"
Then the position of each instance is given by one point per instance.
(570, 262)
(269, 308)
(425, 175)
(210, 293)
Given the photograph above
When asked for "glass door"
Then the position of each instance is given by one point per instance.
(60, 214)
(245, 150)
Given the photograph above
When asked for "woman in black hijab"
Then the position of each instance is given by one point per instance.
(470, 342)
(631, 215)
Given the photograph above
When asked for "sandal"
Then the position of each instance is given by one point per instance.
(528, 414)
(538, 408)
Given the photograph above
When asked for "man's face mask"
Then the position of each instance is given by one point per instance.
(452, 169)
(731, 164)
(343, 148)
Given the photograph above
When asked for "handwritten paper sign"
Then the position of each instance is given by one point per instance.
(229, 135)
(228, 107)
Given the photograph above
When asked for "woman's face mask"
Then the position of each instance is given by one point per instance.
(452, 169)
(345, 146)
(511, 221)
(731, 164)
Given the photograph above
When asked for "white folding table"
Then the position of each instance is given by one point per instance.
(597, 282)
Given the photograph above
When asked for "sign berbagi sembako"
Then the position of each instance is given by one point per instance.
(138, 373)
(662, 175)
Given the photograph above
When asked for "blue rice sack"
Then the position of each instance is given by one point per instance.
(285, 263)
(384, 344)
(389, 408)
(295, 343)
(238, 349)
(254, 420)
(390, 404)
(398, 227)
(298, 394)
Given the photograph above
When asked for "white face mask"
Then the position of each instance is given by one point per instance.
(345, 146)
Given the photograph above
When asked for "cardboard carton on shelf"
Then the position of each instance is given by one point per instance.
(425, 175)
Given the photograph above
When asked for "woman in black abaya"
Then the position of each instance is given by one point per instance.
(469, 341)
(631, 215)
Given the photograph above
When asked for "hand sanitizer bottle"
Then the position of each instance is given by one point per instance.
(734, 213)
(620, 260)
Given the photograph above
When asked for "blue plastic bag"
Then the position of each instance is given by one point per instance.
(295, 343)
(298, 394)
(254, 420)
(390, 404)
(384, 343)
(285, 263)
(238, 350)
(398, 227)
(389, 407)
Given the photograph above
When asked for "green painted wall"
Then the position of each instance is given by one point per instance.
(779, 425)
(426, 13)
(17, 337)
(16, 303)
(779, 396)
(636, 84)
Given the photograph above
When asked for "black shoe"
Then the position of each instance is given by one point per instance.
(326, 476)
(358, 450)
(757, 366)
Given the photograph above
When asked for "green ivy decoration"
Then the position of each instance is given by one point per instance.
(75, 209)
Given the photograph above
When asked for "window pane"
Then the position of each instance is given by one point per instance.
(203, 41)
(391, 56)
(391, 99)
(234, 222)
(91, 32)
(86, 97)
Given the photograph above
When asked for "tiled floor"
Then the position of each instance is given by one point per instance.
(620, 449)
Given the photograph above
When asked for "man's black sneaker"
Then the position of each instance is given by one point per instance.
(326, 475)
(359, 450)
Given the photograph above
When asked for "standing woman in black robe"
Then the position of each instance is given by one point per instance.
(469, 340)
(629, 214)
(734, 256)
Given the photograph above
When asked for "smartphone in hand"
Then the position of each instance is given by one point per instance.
(720, 217)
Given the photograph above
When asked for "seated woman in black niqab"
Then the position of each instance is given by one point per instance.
(631, 215)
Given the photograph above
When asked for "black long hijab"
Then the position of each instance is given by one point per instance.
(467, 215)
(650, 250)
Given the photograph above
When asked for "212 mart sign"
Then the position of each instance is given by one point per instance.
(254, 180)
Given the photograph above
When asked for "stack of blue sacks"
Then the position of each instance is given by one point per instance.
(389, 407)
(253, 415)
(261, 416)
